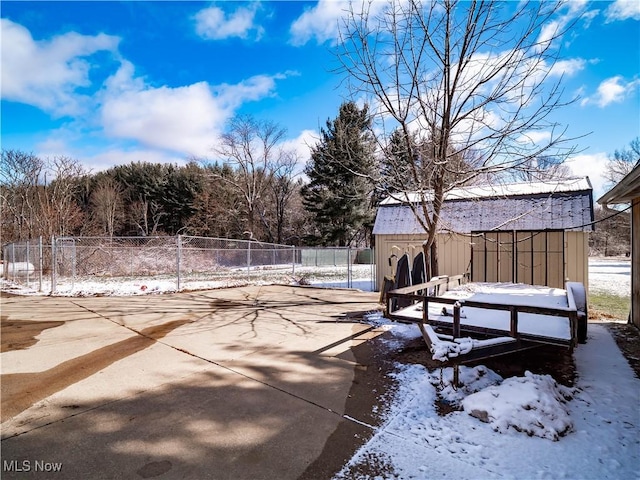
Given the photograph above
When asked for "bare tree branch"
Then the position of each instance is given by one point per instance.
(469, 85)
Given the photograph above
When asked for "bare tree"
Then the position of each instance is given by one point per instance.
(251, 147)
(542, 169)
(31, 204)
(613, 234)
(20, 175)
(463, 81)
(60, 213)
(622, 162)
(280, 190)
(146, 216)
(106, 202)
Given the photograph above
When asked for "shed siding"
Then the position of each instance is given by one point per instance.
(524, 262)
(577, 257)
(556, 259)
(539, 260)
(523, 257)
(454, 252)
(454, 256)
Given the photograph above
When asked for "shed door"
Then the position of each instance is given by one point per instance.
(531, 257)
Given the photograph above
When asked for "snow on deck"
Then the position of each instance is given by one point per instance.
(504, 294)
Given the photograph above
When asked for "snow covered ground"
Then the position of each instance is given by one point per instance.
(522, 427)
(362, 278)
(610, 276)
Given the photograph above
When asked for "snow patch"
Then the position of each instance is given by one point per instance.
(533, 404)
(472, 380)
(610, 276)
(601, 424)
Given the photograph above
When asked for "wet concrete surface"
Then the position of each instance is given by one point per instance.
(251, 382)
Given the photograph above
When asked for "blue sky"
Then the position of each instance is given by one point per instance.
(110, 83)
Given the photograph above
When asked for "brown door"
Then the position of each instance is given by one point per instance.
(531, 257)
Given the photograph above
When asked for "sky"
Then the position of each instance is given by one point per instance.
(109, 83)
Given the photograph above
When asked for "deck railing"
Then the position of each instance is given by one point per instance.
(432, 291)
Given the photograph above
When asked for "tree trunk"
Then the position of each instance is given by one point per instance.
(431, 259)
(434, 258)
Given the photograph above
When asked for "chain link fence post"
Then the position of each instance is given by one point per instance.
(27, 263)
(40, 263)
(53, 265)
(249, 260)
(293, 260)
(349, 267)
(178, 260)
(13, 261)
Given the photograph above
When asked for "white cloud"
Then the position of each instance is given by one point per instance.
(183, 119)
(588, 16)
(549, 31)
(592, 166)
(574, 9)
(568, 67)
(302, 146)
(47, 74)
(320, 22)
(612, 90)
(252, 89)
(623, 10)
(536, 138)
(213, 23)
(96, 158)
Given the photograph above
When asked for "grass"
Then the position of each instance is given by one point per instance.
(608, 306)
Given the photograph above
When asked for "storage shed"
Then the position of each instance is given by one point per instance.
(533, 233)
(627, 191)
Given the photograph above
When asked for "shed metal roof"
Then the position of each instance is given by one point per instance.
(565, 210)
(577, 184)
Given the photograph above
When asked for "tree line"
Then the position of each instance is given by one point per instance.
(252, 190)
(144, 199)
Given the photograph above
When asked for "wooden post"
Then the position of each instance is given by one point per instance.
(514, 321)
(573, 324)
(425, 311)
(456, 334)
(456, 320)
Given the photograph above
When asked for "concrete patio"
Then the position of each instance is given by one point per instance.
(243, 383)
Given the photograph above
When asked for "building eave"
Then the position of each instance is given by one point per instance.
(625, 191)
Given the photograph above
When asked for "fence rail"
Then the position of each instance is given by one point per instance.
(69, 265)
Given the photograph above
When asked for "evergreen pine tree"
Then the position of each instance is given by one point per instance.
(339, 189)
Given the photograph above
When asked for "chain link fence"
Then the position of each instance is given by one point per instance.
(107, 265)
